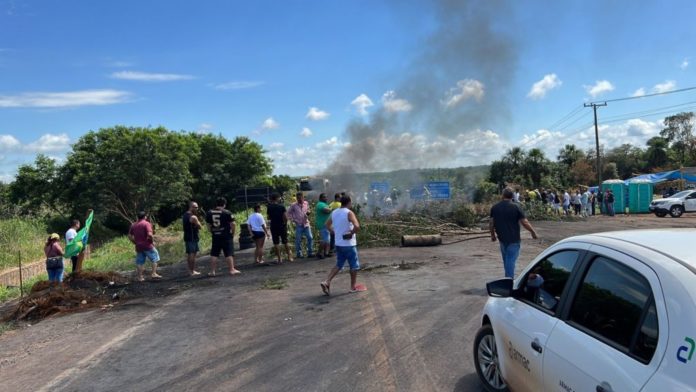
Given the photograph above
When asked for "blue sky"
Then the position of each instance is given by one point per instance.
(292, 74)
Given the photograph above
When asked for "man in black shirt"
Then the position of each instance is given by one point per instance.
(506, 218)
(279, 226)
(221, 224)
(191, 226)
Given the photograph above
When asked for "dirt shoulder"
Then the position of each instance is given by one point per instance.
(411, 331)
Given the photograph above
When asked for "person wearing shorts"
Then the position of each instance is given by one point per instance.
(345, 225)
(141, 235)
(221, 224)
(278, 217)
(192, 226)
(258, 231)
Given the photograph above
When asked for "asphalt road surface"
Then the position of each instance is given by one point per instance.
(412, 330)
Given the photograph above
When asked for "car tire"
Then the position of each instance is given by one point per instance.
(486, 360)
(660, 214)
(676, 211)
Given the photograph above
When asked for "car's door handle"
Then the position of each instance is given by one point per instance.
(604, 387)
(536, 346)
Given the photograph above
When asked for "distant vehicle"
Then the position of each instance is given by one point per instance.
(602, 312)
(675, 205)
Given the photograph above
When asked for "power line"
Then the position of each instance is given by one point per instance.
(566, 117)
(645, 96)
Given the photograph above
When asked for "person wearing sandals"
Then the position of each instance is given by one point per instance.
(141, 235)
(345, 224)
(54, 259)
(258, 231)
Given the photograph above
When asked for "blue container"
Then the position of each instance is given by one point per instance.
(639, 196)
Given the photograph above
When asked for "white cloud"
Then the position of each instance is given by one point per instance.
(306, 132)
(546, 84)
(684, 64)
(361, 103)
(315, 114)
(49, 143)
(327, 143)
(119, 64)
(639, 93)
(149, 77)
(393, 104)
(8, 143)
(204, 128)
(668, 85)
(276, 146)
(237, 85)
(465, 89)
(600, 87)
(64, 99)
(269, 123)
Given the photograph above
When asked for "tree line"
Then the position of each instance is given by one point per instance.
(674, 148)
(120, 170)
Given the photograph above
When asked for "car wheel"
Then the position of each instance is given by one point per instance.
(660, 214)
(676, 211)
(486, 360)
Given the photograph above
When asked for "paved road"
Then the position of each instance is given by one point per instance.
(411, 331)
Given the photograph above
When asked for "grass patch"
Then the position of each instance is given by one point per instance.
(21, 235)
(274, 284)
(4, 327)
(8, 293)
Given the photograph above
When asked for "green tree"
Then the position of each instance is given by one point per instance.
(609, 171)
(657, 154)
(679, 133)
(628, 159)
(36, 187)
(536, 166)
(122, 170)
(221, 167)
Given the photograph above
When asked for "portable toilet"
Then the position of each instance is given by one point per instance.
(618, 188)
(640, 193)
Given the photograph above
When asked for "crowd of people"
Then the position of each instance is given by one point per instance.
(329, 219)
(581, 202)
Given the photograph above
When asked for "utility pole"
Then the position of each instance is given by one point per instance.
(596, 133)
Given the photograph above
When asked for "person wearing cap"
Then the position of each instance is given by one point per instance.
(141, 235)
(54, 259)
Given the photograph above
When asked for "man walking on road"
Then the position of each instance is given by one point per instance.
(506, 218)
(191, 226)
(221, 224)
(345, 225)
(141, 235)
(299, 214)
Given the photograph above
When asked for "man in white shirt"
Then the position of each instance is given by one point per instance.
(69, 237)
(345, 225)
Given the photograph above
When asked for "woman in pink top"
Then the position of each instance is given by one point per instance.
(54, 259)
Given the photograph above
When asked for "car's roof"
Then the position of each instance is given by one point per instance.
(677, 244)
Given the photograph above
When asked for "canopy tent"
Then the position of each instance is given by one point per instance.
(665, 176)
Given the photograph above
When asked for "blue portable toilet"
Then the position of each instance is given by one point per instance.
(640, 193)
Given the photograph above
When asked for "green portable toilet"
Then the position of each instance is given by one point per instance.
(618, 187)
(640, 193)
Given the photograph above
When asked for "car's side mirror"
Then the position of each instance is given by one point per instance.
(500, 288)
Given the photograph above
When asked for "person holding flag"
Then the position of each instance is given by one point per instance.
(75, 247)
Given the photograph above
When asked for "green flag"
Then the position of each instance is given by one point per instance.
(81, 239)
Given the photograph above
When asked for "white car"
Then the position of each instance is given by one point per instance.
(675, 205)
(603, 312)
